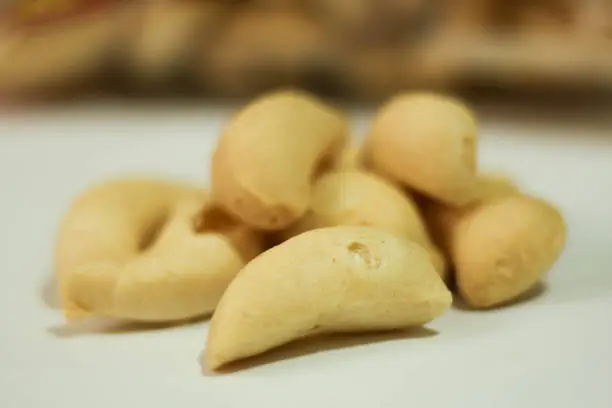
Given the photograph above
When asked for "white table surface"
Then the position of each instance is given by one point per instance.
(555, 351)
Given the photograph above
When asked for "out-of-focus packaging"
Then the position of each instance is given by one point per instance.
(354, 48)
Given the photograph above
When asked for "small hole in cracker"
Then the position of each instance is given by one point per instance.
(363, 252)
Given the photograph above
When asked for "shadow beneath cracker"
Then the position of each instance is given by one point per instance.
(316, 344)
(108, 326)
(535, 292)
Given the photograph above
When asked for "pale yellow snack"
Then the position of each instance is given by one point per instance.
(500, 247)
(353, 197)
(496, 185)
(440, 218)
(266, 158)
(349, 159)
(129, 248)
(338, 279)
(428, 143)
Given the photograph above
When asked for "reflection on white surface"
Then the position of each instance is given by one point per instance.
(551, 352)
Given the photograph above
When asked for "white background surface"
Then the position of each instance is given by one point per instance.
(555, 351)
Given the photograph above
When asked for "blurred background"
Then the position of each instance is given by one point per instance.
(351, 49)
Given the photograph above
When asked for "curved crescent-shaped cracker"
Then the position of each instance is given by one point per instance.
(500, 246)
(108, 262)
(338, 279)
(427, 142)
(504, 247)
(263, 166)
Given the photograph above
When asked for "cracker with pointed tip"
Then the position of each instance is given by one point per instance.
(500, 247)
(337, 279)
(353, 197)
(129, 248)
(265, 160)
(428, 143)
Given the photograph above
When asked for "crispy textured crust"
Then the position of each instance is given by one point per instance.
(339, 279)
(267, 156)
(504, 247)
(501, 247)
(440, 218)
(427, 142)
(128, 248)
(352, 197)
